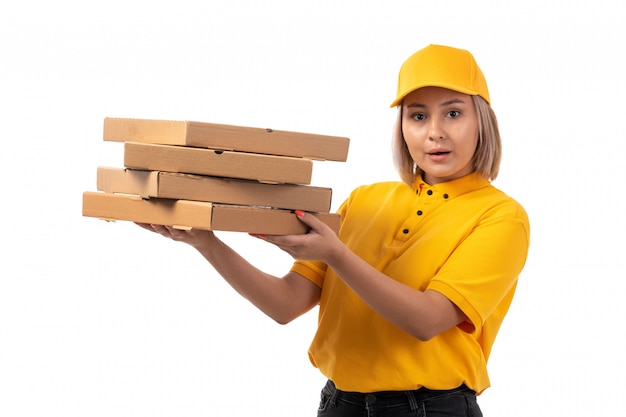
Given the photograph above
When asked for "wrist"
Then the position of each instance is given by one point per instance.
(205, 242)
(337, 255)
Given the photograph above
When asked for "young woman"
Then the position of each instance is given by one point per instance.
(414, 288)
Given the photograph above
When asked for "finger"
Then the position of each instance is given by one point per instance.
(282, 241)
(145, 226)
(267, 238)
(310, 220)
(159, 228)
(167, 231)
(153, 227)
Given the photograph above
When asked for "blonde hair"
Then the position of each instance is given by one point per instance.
(486, 158)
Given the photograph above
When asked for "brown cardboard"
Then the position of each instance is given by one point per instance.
(265, 221)
(227, 137)
(186, 214)
(177, 213)
(263, 168)
(213, 189)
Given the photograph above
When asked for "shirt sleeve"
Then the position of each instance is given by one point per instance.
(481, 273)
(314, 271)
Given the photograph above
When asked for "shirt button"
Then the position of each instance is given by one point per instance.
(430, 192)
(419, 212)
(405, 231)
(445, 196)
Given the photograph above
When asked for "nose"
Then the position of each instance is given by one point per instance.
(435, 130)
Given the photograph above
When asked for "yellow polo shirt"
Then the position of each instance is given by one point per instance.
(463, 238)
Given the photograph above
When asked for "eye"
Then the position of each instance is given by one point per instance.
(453, 114)
(418, 116)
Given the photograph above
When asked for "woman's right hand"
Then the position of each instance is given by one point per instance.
(282, 299)
(194, 237)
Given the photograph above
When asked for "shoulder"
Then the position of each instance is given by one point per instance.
(381, 189)
(376, 197)
(496, 206)
(504, 202)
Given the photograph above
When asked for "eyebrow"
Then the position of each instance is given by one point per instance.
(444, 104)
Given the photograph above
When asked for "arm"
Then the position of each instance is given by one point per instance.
(282, 299)
(423, 314)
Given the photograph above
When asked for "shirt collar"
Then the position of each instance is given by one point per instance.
(454, 188)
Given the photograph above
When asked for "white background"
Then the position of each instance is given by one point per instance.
(105, 319)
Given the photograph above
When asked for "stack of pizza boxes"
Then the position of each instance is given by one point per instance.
(213, 176)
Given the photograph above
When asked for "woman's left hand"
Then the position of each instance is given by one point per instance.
(320, 243)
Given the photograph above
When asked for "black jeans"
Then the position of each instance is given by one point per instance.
(423, 402)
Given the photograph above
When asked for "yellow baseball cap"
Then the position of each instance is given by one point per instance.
(441, 66)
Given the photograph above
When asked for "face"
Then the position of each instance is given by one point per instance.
(440, 128)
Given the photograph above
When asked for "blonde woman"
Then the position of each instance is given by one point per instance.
(414, 288)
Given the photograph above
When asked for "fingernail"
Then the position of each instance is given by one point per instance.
(299, 213)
